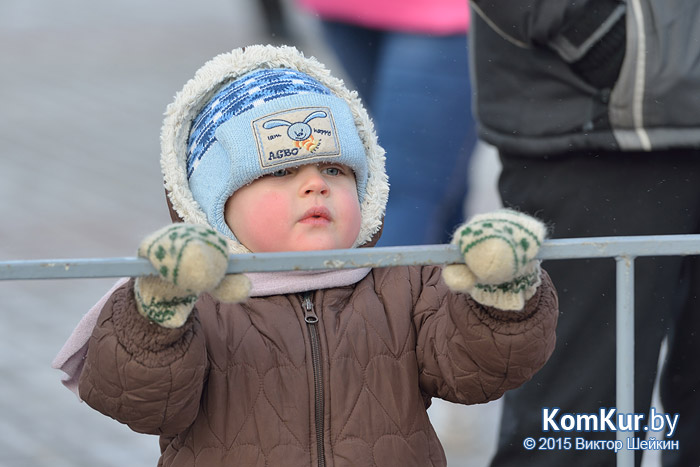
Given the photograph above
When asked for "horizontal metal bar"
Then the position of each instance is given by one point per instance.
(597, 247)
(612, 247)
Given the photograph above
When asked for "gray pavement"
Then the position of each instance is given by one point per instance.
(83, 86)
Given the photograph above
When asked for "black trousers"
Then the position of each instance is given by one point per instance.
(610, 194)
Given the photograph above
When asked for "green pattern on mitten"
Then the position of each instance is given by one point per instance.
(497, 246)
(499, 251)
(190, 256)
(162, 302)
(190, 259)
(510, 295)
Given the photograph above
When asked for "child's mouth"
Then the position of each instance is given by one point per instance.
(316, 215)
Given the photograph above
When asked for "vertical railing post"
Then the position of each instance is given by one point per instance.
(624, 328)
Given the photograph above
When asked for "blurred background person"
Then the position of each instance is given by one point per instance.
(408, 61)
(276, 21)
(593, 106)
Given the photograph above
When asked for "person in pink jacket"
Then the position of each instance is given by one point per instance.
(408, 60)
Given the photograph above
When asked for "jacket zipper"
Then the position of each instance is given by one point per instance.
(311, 320)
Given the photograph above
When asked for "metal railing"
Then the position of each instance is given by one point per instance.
(623, 249)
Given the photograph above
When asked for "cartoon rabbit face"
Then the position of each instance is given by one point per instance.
(298, 131)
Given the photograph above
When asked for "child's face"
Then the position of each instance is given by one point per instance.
(312, 207)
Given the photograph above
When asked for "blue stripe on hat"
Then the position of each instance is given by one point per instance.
(241, 95)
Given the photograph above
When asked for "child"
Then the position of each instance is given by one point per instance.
(264, 151)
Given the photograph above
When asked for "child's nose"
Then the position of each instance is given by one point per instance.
(313, 181)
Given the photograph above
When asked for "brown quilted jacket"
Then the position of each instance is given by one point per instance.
(341, 377)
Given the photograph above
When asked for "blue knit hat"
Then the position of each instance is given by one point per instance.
(262, 122)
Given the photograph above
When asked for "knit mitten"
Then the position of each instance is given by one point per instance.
(190, 259)
(499, 251)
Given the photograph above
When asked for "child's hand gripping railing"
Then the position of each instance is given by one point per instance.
(623, 249)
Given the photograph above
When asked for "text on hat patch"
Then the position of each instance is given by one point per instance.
(299, 134)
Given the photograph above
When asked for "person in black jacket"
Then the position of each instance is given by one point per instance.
(593, 106)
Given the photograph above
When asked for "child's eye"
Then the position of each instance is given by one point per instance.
(280, 173)
(333, 171)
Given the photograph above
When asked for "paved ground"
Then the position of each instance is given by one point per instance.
(83, 86)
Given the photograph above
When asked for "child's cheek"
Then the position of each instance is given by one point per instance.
(354, 216)
(269, 220)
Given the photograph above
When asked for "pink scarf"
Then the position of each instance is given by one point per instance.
(71, 358)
